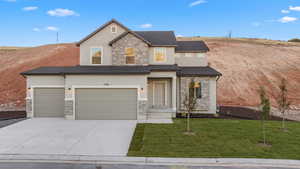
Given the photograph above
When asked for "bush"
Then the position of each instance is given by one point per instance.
(294, 40)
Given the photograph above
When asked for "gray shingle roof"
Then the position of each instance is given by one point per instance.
(191, 46)
(123, 70)
(109, 70)
(158, 38)
(163, 67)
(198, 71)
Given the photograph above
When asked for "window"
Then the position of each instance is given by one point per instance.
(130, 55)
(96, 55)
(160, 55)
(195, 89)
(113, 29)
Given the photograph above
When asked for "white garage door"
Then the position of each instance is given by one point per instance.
(106, 104)
(48, 102)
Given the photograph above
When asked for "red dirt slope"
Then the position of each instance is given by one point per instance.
(245, 64)
(12, 84)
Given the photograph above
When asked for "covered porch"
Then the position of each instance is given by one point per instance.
(161, 87)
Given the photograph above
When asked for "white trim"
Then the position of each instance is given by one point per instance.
(68, 99)
(137, 87)
(40, 86)
(111, 28)
(102, 54)
(164, 51)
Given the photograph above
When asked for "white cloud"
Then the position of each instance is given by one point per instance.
(52, 28)
(294, 8)
(146, 25)
(285, 11)
(256, 24)
(30, 8)
(197, 3)
(62, 12)
(179, 35)
(10, 0)
(36, 29)
(287, 19)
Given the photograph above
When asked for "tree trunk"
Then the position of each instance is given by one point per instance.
(264, 133)
(283, 120)
(188, 123)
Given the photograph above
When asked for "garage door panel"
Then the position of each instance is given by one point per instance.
(49, 102)
(106, 104)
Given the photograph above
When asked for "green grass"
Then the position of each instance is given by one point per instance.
(216, 138)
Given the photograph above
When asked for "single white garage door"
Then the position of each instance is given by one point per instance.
(48, 102)
(106, 104)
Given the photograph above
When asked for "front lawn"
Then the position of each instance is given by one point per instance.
(216, 138)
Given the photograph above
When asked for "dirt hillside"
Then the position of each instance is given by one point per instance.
(245, 64)
(12, 84)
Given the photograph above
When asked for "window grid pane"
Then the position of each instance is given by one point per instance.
(96, 55)
(160, 55)
(130, 60)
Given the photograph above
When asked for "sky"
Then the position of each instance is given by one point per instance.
(36, 22)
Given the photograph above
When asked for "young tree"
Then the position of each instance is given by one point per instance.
(265, 108)
(282, 101)
(189, 104)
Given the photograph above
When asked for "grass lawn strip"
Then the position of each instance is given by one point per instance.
(216, 138)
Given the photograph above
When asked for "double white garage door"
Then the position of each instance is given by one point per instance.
(90, 104)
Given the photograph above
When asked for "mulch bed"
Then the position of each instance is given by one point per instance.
(233, 112)
(7, 115)
(243, 113)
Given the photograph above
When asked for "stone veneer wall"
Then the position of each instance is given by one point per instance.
(29, 105)
(142, 109)
(203, 103)
(69, 107)
(140, 48)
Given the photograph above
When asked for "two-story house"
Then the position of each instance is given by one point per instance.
(125, 75)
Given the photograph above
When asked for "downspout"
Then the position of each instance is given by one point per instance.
(218, 107)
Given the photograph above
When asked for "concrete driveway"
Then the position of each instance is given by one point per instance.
(54, 136)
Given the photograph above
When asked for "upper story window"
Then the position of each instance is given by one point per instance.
(96, 55)
(113, 29)
(160, 55)
(130, 55)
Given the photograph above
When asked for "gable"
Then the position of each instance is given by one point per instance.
(119, 26)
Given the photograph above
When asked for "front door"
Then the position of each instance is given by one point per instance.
(157, 94)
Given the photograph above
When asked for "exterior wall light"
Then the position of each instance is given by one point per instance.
(196, 85)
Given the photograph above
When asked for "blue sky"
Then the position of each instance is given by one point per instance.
(35, 22)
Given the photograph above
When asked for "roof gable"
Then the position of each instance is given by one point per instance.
(159, 38)
(126, 33)
(101, 28)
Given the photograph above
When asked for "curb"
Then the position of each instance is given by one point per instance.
(84, 159)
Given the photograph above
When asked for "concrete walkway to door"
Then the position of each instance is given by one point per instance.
(54, 136)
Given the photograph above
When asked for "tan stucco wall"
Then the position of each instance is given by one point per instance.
(101, 39)
(191, 59)
(107, 80)
(170, 51)
(40, 81)
(47, 81)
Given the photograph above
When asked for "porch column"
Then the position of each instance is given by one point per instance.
(174, 93)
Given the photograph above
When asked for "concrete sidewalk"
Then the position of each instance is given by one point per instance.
(152, 161)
